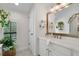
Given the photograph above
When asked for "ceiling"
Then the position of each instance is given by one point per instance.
(22, 7)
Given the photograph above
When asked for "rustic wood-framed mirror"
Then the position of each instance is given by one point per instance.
(63, 23)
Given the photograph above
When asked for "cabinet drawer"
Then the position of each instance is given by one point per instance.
(75, 53)
(43, 52)
(42, 47)
(61, 50)
(59, 54)
(42, 43)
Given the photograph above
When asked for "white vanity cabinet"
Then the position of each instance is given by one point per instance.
(57, 47)
(57, 50)
(75, 53)
(52, 49)
(43, 47)
(60, 50)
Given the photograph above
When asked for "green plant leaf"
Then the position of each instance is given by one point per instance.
(3, 15)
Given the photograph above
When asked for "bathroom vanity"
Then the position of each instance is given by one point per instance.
(66, 46)
(62, 25)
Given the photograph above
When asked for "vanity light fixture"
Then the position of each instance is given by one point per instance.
(16, 4)
(64, 4)
(59, 7)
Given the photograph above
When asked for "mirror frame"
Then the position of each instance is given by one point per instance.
(47, 30)
(58, 34)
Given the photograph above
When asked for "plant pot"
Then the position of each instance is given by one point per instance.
(9, 53)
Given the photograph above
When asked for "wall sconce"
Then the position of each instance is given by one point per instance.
(42, 24)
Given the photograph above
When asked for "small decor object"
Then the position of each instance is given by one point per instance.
(60, 25)
(51, 25)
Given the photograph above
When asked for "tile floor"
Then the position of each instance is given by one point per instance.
(26, 52)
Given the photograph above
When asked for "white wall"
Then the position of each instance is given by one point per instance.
(32, 31)
(41, 10)
(37, 14)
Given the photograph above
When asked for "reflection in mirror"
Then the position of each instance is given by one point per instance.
(65, 22)
(74, 24)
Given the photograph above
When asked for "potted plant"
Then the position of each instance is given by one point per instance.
(8, 48)
(60, 25)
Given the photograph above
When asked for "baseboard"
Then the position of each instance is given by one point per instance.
(21, 49)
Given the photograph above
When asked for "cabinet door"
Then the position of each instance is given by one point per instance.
(43, 52)
(43, 47)
(51, 50)
(58, 50)
(75, 53)
(61, 50)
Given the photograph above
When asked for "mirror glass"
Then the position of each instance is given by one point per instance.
(65, 21)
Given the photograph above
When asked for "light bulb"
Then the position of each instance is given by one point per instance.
(66, 6)
(59, 7)
(16, 4)
(52, 9)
